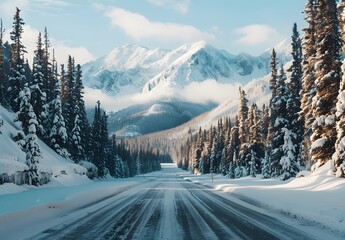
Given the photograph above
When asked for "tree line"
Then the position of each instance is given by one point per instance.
(48, 102)
(303, 126)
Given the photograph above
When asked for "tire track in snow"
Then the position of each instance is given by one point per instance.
(97, 222)
(247, 223)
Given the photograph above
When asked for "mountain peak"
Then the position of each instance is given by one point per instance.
(283, 48)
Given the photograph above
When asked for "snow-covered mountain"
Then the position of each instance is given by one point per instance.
(153, 117)
(166, 78)
(132, 68)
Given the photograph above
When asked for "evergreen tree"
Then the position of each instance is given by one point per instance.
(328, 76)
(308, 90)
(266, 166)
(339, 156)
(84, 124)
(23, 114)
(279, 105)
(272, 107)
(274, 75)
(242, 117)
(289, 165)
(58, 134)
(264, 124)
(76, 148)
(213, 154)
(3, 77)
(98, 157)
(17, 77)
(38, 96)
(294, 101)
(26, 116)
(47, 68)
(220, 146)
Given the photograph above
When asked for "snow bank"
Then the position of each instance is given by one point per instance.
(315, 199)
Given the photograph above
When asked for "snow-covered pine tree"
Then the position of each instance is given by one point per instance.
(243, 130)
(220, 145)
(197, 151)
(58, 134)
(229, 153)
(223, 164)
(70, 98)
(3, 77)
(242, 114)
(1, 124)
(266, 166)
(328, 77)
(33, 152)
(26, 116)
(279, 104)
(84, 124)
(290, 167)
(105, 141)
(138, 165)
(339, 155)
(119, 171)
(253, 160)
(294, 101)
(213, 154)
(76, 149)
(47, 68)
(38, 96)
(22, 115)
(272, 108)
(17, 77)
(98, 150)
(308, 90)
(264, 123)
(235, 140)
(274, 75)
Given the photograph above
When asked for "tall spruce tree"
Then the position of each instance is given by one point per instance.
(308, 90)
(279, 104)
(328, 76)
(38, 96)
(47, 68)
(339, 155)
(17, 77)
(27, 117)
(294, 101)
(3, 77)
(58, 133)
(273, 111)
(289, 165)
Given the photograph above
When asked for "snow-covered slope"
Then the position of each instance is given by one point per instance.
(12, 159)
(132, 68)
(153, 117)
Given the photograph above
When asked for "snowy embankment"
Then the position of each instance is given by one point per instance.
(316, 199)
(13, 160)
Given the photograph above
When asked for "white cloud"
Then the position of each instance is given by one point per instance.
(139, 27)
(7, 7)
(255, 34)
(178, 5)
(196, 92)
(62, 50)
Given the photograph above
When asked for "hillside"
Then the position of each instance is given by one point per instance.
(12, 159)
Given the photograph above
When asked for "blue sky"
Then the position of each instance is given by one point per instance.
(91, 28)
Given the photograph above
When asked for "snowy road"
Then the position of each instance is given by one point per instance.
(169, 207)
(161, 207)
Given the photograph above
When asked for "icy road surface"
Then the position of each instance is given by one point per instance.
(161, 207)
